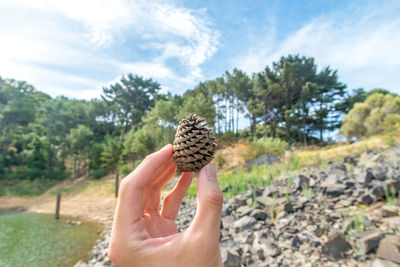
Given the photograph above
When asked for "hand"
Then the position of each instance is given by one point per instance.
(143, 236)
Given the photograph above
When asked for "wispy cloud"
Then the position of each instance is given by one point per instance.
(80, 41)
(364, 46)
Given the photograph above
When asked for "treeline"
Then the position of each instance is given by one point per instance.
(54, 138)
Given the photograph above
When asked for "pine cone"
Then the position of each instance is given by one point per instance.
(194, 144)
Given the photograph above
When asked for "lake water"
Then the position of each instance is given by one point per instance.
(28, 239)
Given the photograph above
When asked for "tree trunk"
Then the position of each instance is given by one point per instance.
(253, 126)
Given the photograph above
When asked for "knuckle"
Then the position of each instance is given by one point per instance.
(215, 198)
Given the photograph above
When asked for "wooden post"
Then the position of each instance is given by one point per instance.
(116, 183)
(58, 206)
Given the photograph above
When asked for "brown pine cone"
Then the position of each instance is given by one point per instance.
(194, 145)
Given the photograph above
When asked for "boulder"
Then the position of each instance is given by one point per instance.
(336, 246)
(370, 241)
(389, 249)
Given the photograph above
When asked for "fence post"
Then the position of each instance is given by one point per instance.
(58, 206)
(116, 183)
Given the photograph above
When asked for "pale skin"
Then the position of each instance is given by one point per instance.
(144, 236)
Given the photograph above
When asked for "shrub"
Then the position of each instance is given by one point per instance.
(221, 160)
(266, 145)
(97, 173)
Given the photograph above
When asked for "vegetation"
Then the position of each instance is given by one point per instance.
(44, 140)
(378, 113)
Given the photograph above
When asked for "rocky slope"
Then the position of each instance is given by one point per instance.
(344, 215)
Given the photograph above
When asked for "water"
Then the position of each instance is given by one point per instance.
(28, 239)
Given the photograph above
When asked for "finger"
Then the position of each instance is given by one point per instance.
(209, 203)
(130, 202)
(174, 198)
(149, 189)
(153, 203)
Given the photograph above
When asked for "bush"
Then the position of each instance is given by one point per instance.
(266, 145)
(221, 160)
(125, 169)
(97, 173)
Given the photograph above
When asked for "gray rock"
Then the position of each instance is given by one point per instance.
(301, 181)
(370, 241)
(270, 190)
(243, 211)
(335, 247)
(363, 177)
(231, 258)
(335, 190)
(365, 199)
(379, 173)
(389, 249)
(245, 223)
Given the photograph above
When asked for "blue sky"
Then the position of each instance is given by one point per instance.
(76, 47)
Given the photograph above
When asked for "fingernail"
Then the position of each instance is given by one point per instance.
(211, 172)
(165, 147)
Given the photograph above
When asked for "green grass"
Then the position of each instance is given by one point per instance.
(240, 180)
(25, 187)
(265, 145)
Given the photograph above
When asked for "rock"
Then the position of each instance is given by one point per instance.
(269, 191)
(363, 177)
(379, 173)
(226, 209)
(266, 247)
(350, 160)
(240, 200)
(243, 211)
(301, 181)
(389, 249)
(296, 242)
(365, 199)
(265, 201)
(383, 263)
(231, 258)
(335, 190)
(258, 214)
(288, 207)
(370, 241)
(335, 247)
(245, 223)
(265, 159)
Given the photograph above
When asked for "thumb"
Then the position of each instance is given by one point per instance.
(209, 203)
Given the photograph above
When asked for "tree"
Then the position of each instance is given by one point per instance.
(378, 113)
(129, 99)
(80, 143)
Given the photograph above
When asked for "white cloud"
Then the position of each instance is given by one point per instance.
(364, 46)
(78, 39)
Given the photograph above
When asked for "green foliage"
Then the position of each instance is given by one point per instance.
(266, 145)
(111, 155)
(221, 160)
(97, 173)
(379, 113)
(390, 195)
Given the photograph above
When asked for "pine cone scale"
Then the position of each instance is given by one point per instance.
(194, 144)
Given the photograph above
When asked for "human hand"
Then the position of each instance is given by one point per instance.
(143, 236)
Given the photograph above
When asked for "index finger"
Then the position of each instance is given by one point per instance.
(130, 200)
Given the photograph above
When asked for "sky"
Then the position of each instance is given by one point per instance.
(75, 48)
